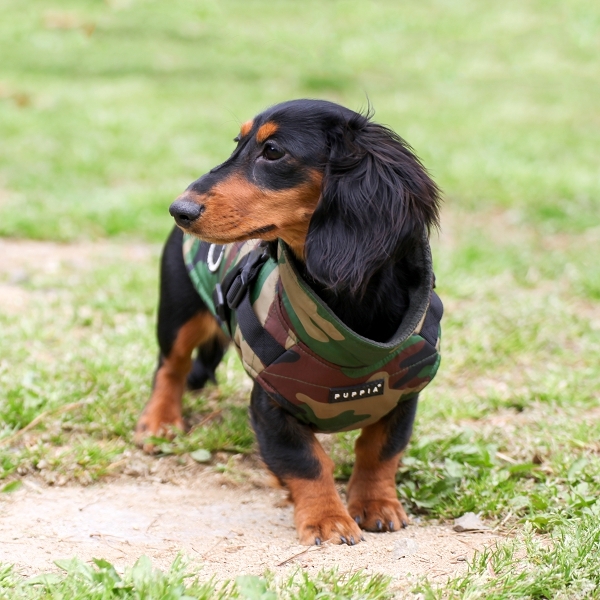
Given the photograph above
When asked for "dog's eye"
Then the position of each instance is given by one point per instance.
(272, 152)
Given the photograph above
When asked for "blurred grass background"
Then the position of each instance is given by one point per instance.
(109, 109)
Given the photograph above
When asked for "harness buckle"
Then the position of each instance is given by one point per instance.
(246, 276)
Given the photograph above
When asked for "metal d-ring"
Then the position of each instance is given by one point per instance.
(211, 263)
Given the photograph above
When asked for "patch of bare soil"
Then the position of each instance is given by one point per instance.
(228, 530)
(23, 255)
(20, 259)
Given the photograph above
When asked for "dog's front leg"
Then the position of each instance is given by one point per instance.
(372, 498)
(184, 324)
(293, 454)
(163, 412)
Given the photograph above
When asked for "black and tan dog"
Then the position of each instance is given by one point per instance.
(344, 209)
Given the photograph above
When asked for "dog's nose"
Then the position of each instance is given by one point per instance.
(185, 212)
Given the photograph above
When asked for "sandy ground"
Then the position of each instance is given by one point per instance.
(21, 259)
(229, 530)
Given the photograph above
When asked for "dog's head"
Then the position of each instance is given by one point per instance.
(346, 194)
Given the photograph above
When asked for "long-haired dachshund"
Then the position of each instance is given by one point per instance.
(315, 261)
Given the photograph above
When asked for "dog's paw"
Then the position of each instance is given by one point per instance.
(335, 528)
(378, 515)
(153, 424)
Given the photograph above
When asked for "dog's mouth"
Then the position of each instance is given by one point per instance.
(231, 237)
(194, 227)
(261, 230)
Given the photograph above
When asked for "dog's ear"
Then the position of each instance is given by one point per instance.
(377, 200)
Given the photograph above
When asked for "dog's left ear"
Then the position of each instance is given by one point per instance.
(377, 200)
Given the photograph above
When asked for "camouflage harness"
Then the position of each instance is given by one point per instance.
(302, 355)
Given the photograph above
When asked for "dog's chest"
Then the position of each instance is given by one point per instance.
(300, 353)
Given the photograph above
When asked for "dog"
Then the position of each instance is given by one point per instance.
(308, 247)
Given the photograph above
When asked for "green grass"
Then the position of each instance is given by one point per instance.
(109, 109)
(101, 581)
(87, 340)
(563, 565)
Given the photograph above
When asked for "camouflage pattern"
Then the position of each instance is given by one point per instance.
(329, 376)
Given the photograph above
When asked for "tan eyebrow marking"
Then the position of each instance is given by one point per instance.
(266, 130)
(246, 127)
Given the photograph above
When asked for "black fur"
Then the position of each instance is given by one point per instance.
(399, 426)
(179, 301)
(377, 200)
(207, 360)
(284, 442)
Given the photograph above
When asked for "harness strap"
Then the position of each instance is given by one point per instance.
(430, 329)
(234, 294)
(263, 344)
(235, 276)
(244, 275)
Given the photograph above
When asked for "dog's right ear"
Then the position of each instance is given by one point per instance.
(377, 201)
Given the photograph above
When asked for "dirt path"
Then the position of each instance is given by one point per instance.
(228, 530)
